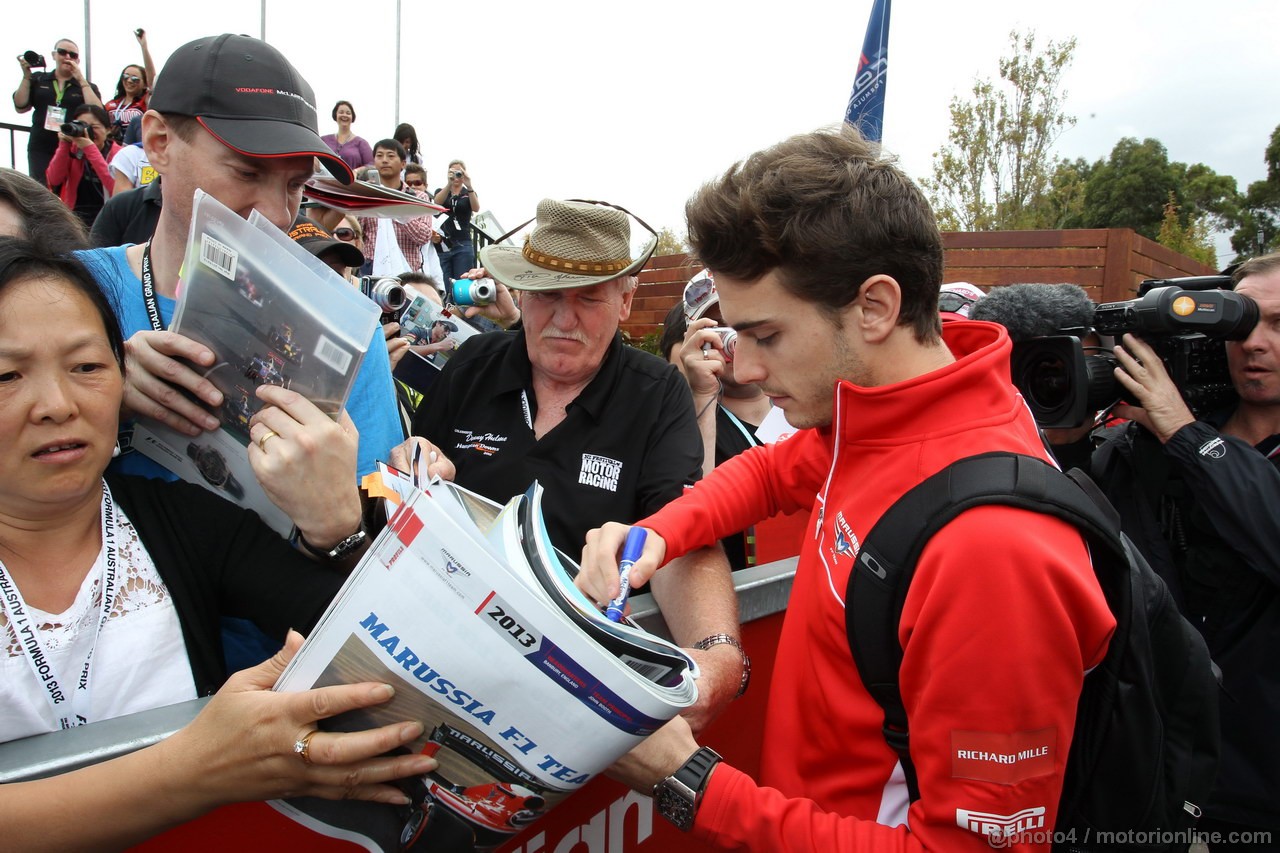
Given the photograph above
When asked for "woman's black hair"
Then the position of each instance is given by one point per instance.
(43, 215)
(22, 259)
(673, 329)
(146, 84)
(97, 112)
(404, 130)
(350, 106)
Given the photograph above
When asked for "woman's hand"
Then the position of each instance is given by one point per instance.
(306, 463)
(241, 747)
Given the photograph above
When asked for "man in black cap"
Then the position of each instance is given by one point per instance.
(231, 116)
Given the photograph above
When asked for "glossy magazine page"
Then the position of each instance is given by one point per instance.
(520, 706)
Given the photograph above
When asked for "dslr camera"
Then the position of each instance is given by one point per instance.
(74, 129)
(1185, 320)
(34, 60)
(481, 291)
(387, 293)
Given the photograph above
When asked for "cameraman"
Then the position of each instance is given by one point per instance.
(1200, 498)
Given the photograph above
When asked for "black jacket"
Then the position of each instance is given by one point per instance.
(216, 560)
(1205, 511)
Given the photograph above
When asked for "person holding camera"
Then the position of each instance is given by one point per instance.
(53, 95)
(132, 88)
(1198, 497)
(458, 253)
(78, 172)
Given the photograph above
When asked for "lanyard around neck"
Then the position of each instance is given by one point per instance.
(149, 292)
(69, 702)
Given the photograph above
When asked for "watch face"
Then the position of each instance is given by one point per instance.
(673, 806)
(212, 465)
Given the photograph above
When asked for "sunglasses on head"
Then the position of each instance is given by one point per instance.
(62, 51)
(953, 303)
(132, 78)
(344, 233)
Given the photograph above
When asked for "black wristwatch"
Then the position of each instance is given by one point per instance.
(341, 551)
(679, 795)
(212, 465)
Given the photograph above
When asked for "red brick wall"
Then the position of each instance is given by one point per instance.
(1109, 263)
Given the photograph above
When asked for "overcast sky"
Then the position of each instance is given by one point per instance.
(639, 103)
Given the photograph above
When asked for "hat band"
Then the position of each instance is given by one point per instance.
(551, 262)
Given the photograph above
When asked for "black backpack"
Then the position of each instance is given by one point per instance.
(1145, 745)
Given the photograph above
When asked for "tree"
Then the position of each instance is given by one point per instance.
(670, 243)
(1192, 240)
(997, 166)
(1133, 187)
(1260, 209)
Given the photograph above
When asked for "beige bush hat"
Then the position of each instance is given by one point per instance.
(573, 244)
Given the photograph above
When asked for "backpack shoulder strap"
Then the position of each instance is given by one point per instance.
(886, 562)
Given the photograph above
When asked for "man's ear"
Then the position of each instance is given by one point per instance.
(158, 139)
(624, 309)
(879, 302)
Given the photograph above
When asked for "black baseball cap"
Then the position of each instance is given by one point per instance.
(245, 93)
(308, 234)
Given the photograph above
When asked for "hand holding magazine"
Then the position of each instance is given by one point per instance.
(272, 314)
(524, 688)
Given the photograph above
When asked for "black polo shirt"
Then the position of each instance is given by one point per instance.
(130, 217)
(45, 95)
(627, 445)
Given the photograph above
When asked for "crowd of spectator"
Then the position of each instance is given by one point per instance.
(99, 227)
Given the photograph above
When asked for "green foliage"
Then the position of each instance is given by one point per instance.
(1260, 209)
(1192, 240)
(997, 168)
(649, 343)
(1133, 187)
(670, 243)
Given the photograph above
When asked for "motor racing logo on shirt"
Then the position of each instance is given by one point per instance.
(600, 471)
(846, 541)
(484, 443)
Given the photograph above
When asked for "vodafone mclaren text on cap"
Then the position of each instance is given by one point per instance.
(248, 96)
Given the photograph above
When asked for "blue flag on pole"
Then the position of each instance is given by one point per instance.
(866, 102)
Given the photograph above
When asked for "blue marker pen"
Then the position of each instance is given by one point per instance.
(631, 552)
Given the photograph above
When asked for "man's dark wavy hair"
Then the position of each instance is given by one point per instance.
(827, 211)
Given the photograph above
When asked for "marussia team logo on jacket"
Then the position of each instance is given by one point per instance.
(847, 544)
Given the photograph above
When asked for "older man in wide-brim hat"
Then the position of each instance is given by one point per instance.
(608, 430)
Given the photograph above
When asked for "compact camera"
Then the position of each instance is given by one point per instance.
(1185, 320)
(728, 341)
(74, 129)
(387, 293)
(478, 292)
(34, 60)
(456, 174)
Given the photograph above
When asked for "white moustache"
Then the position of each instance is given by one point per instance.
(556, 334)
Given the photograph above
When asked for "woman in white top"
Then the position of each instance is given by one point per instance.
(67, 535)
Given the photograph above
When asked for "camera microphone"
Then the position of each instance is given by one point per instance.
(1036, 310)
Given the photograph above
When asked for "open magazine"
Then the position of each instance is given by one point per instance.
(271, 313)
(436, 333)
(525, 690)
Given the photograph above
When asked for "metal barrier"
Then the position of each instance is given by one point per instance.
(762, 591)
(13, 142)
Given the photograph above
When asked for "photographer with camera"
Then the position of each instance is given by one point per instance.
(54, 95)
(457, 254)
(78, 172)
(1199, 498)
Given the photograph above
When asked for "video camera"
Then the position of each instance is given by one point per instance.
(387, 292)
(1185, 320)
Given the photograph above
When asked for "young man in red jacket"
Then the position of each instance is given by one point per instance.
(828, 263)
